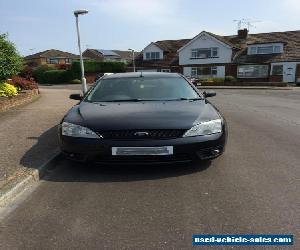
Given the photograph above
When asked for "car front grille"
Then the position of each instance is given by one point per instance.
(143, 134)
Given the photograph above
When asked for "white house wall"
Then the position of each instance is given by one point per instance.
(153, 48)
(205, 41)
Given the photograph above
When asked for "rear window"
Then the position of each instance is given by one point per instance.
(142, 88)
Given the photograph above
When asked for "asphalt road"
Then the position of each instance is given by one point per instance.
(254, 188)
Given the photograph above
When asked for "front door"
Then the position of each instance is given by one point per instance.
(289, 71)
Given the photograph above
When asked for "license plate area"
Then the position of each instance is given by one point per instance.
(127, 151)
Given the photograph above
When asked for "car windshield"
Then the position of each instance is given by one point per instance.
(142, 89)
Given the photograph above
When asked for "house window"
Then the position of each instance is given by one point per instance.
(204, 71)
(253, 71)
(52, 60)
(263, 49)
(277, 70)
(253, 50)
(152, 55)
(68, 60)
(277, 49)
(204, 53)
(214, 52)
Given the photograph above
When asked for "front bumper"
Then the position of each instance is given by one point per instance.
(185, 149)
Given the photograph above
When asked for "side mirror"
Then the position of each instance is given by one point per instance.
(209, 94)
(75, 97)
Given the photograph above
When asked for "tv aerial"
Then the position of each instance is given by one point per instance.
(244, 22)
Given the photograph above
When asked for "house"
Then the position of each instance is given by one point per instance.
(271, 56)
(160, 56)
(51, 56)
(109, 55)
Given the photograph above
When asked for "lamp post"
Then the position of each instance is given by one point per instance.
(133, 61)
(83, 80)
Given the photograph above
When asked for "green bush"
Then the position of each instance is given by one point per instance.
(212, 79)
(38, 72)
(99, 67)
(218, 79)
(205, 80)
(230, 79)
(75, 81)
(57, 76)
(7, 90)
(10, 61)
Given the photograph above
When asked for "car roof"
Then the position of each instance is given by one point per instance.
(139, 74)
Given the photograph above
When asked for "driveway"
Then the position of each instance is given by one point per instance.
(254, 188)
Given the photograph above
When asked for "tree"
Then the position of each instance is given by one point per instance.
(10, 60)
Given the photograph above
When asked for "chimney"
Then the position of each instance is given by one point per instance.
(242, 34)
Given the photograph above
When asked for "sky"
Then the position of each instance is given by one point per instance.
(37, 25)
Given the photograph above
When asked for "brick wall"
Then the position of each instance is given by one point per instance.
(24, 97)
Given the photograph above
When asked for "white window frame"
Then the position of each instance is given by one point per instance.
(269, 48)
(254, 50)
(152, 55)
(249, 68)
(195, 71)
(194, 53)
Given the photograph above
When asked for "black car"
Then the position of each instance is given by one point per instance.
(142, 118)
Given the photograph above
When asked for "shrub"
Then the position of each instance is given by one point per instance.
(63, 66)
(26, 72)
(230, 79)
(218, 79)
(39, 71)
(7, 90)
(10, 61)
(205, 80)
(57, 76)
(75, 81)
(99, 67)
(23, 83)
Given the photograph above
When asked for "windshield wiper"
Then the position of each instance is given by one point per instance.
(124, 100)
(186, 99)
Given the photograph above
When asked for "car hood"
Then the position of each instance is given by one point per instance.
(141, 115)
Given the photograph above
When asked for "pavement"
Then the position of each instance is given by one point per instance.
(254, 188)
(28, 133)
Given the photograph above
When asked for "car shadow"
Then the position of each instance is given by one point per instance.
(46, 145)
(63, 170)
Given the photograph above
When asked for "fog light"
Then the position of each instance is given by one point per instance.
(215, 151)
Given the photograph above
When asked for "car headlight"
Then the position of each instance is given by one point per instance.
(205, 128)
(70, 129)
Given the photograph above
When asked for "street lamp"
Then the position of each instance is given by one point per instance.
(83, 80)
(133, 62)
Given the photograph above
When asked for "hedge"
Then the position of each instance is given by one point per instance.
(99, 67)
(38, 72)
(56, 76)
